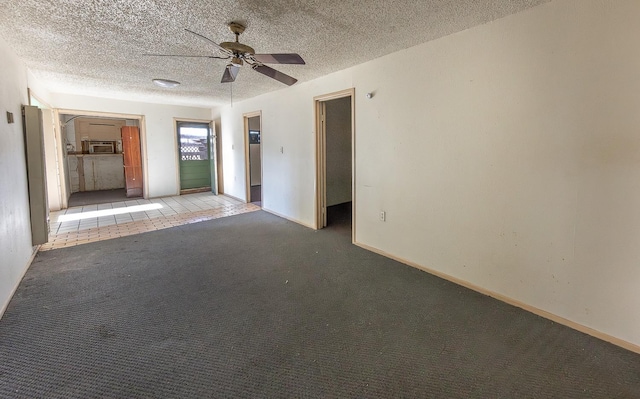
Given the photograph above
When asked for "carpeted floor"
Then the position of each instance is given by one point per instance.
(256, 306)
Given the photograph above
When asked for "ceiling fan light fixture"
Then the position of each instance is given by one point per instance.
(166, 83)
(236, 61)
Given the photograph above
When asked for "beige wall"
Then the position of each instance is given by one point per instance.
(507, 156)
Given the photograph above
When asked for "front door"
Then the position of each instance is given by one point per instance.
(194, 141)
(132, 160)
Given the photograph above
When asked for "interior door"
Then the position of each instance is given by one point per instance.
(194, 139)
(132, 160)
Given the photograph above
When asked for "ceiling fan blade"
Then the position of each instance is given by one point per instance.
(183, 55)
(209, 41)
(272, 73)
(290, 58)
(230, 73)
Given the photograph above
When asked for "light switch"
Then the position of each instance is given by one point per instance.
(9, 117)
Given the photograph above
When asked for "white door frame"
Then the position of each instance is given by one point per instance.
(54, 154)
(321, 161)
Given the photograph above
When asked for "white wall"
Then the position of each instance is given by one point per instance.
(507, 156)
(287, 122)
(15, 229)
(161, 141)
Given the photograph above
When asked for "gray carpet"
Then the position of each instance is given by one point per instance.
(256, 306)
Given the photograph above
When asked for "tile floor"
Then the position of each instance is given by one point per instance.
(90, 223)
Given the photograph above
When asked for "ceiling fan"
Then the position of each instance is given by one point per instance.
(239, 54)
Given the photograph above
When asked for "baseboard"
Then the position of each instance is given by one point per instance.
(15, 287)
(542, 313)
(288, 218)
(234, 197)
(195, 190)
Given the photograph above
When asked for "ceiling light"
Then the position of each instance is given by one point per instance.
(166, 83)
(236, 61)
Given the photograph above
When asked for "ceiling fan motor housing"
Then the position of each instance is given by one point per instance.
(237, 48)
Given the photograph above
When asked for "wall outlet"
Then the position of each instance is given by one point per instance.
(281, 150)
(383, 216)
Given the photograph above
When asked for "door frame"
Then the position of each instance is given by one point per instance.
(320, 183)
(247, 164)
(212, 149)
(143, 142)
(58, 153)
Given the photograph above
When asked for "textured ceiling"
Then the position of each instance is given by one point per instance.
(96, 47)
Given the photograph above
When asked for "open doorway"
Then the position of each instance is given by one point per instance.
(252, 134)
(102, 160)
(334, 156)
(196, 157)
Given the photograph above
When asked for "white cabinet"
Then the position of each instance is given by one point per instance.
(103, 172)
(96, 172)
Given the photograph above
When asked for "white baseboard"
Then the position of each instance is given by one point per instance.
(235, 198)
(289, 218)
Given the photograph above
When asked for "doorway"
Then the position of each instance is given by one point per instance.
(335, 172)
(196, 157)
(252, 139)
(96, 145)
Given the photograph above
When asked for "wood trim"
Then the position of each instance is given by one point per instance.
(320, 158)
(514, 302)
(17, 284)
(220, 165)
(61, 155)
(98, 113)
(247, 164)
(144, 156)
(176, 153)
(196, 190)
(317, 184)
(335, 95)
(289, 218)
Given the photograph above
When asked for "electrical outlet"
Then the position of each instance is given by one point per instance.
(383, 216)
(281, 150)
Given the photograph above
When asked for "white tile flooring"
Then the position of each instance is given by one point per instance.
(78, 225)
